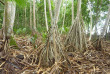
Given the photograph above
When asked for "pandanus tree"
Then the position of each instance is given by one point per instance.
(76, 39)
(99, 43)
(52, 51)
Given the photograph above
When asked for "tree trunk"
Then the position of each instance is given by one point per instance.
(50, 10)
(52, 51)
(31, 15)
(45, 15)
(34, 17)
(25, 17)
(72, 11)
(90, 22)
(57, 10)
(78, 8)
(64, 17)
(106, 24)
(10, 8)
(8, 24)
(76, 37)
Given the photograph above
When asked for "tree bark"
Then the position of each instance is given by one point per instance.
(78, 8)
(72, 11)
(64, 17)
(9, 17)
(106, 24)
(10, 8)
(90, 22)
(34, 17)
(54, 27)
(25, 17)
(52, 52)
(45, 15)
(31, 15)
(76, 36)
(57, 10)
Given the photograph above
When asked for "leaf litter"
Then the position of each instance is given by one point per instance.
(25, 60)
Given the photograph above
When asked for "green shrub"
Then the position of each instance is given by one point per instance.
(24, 30)
(12, 41)
(19, 31)
(64, 29)
(44, 35)
(33, 40)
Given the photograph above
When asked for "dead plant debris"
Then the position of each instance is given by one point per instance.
(25, 60)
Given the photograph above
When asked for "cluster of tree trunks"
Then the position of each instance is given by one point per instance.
(53, 50)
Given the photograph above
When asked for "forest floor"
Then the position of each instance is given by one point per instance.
(24, 60)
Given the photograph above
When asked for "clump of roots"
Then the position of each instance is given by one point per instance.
(76, 38)
(52, 51)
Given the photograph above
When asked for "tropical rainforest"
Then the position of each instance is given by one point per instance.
(54, 36)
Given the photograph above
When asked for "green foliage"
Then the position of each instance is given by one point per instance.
(12, 42)
(35, 36)
(0, 23)
(64, 29)
(41, 28)
(44, 35)
(21, 3)
(40, 17)
(21, 31)
(24, 30)
(33, 40)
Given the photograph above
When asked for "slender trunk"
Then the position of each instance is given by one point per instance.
(72, 12)
(57, 10)
(10, 8)
(78, 16)
(18, 20)
(45, 15)
(90, 23)
(106, 24)
(50, 11)
(3, 18)
(25, 17)
(64, 17)
(34, 18)
(31, 15)
(78, 8)
(56, 15)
